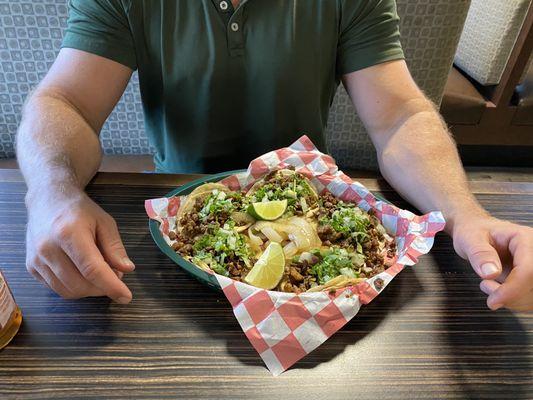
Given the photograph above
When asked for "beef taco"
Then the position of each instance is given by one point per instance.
(286, 184)
(201, 191)
(314, 242)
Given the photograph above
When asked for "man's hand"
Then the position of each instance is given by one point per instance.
(419, 159)
(74, 247)
(72, 244)
(501, 253)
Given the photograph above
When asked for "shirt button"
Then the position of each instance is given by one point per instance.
(224, 5)
(234, 27)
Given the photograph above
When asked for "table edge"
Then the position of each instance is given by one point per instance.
(371, 180)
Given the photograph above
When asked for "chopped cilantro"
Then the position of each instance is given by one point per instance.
(218, 202)
(292, 190)
(334, 262)
(349, 220)
(220, 243)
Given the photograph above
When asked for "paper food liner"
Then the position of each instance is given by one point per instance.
(284, 327)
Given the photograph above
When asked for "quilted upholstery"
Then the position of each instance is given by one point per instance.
(31, 32)
(30, 36)
(430, 31)
(489, 35)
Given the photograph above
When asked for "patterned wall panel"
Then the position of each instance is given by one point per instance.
(31, 32)
(430, 32)
(30, 37)
(489, 35)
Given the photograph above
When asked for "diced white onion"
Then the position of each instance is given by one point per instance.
(303, 203)
(348, 272)
(232, 242)
(306, 256)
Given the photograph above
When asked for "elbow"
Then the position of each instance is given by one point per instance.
(46, 97)
(389, 158)
(33, 106)
(417, 108)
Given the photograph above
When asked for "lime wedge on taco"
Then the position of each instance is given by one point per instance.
(268, 270)
(268, 210)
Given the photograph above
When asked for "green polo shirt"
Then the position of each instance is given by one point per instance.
(220, 85)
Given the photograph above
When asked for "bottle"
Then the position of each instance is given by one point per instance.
(10, 314)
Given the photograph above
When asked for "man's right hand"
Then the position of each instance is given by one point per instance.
(74, 247)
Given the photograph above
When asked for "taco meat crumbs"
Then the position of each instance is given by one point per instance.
(217, 232)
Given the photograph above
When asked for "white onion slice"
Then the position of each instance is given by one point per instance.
(290, 250)
(300, 239)
(271, 234)
(255, 241)
(305, 229)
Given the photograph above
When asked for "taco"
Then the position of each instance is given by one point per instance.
(286, 184)
(201, 191)
(327, 244)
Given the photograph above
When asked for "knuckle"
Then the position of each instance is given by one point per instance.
(107, 220)
(91, 271)
(115, 244)
(111, 222)
(468, 244)
(63, 231)
(44, 248)
(480, 250)
(480, 253)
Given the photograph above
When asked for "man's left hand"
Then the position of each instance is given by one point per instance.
(501, 253)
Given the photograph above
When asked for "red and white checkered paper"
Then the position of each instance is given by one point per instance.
(284, 327)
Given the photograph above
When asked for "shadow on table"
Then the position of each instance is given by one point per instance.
(490, 351)
(224, 327)
(404, 288)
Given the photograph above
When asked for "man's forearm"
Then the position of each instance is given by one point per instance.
(421, 161)
(56, 147)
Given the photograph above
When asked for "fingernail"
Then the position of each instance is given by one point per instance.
(489, 269)
(128, 263)
(123, 300)
(484, 288)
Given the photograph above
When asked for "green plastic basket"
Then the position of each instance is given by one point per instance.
(193, 270)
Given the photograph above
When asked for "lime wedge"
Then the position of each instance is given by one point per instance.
(268, 270)
(268, 210)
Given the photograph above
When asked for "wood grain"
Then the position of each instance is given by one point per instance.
(429, 336)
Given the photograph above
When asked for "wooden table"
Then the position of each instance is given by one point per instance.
(429, 336)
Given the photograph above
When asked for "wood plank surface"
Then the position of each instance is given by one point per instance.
(428, 336)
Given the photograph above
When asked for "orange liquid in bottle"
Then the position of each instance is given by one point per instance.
(10, 314)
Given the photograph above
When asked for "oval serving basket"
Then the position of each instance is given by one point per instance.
(193, 270)
(202, 276)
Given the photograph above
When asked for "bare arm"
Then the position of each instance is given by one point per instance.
(414, 147)
(59, 152)
(418, 157)
(63, 116)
